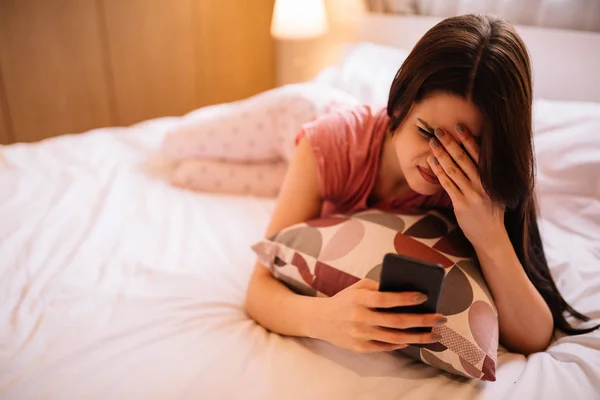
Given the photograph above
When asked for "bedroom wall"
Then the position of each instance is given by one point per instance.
(301, 60)
(72, 65)
(5, 128)
(51, 67)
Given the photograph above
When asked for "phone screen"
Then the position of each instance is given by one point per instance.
(404, 274)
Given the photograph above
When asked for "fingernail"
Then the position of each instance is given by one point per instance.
(420, 298)
(436, 336)
(441, 320)
(435, 142)
(435, 161)
(439, 132)
(460, 128)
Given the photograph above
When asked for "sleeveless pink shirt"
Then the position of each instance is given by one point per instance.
(347, 147)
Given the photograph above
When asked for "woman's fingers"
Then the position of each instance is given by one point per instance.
(367, 283)
(374, 346)
(457, 154)
(447, 169)
(468, 141)
(377, 299)
(404, 321)
(395, 336)
(447, 183)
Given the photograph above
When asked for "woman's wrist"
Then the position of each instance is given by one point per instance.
(495, 245)
(314, 317)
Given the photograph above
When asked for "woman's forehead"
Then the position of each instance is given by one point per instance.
(446, 110)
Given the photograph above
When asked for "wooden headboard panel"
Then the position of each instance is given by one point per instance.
(72, 65)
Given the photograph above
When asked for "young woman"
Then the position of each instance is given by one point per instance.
(456, 133)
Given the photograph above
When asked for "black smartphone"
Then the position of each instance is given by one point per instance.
(405, 274)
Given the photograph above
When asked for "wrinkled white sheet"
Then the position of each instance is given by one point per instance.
(114, 284)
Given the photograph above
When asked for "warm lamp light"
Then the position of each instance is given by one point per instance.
(298, 19)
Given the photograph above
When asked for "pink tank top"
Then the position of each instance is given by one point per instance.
(347, 148)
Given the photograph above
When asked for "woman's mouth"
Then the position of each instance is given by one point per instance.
(428, 175)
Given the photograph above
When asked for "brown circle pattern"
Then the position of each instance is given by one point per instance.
(305, 239)
(431, 359)
(470, 369)
(484, 326)
(388, 220)
(489, 369)
(410, 247)
(374, 273)
(343, 241)
(436, 347)
(430, 227)
(326, 222)
(279, 262)
(469, 268)
(411, 351)
(457, 294)
(455, 244)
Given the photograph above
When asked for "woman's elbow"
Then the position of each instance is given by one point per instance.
(530, 342)
(250, 298)
(254, 289)
(532, 346)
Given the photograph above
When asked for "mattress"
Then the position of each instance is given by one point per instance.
(114, 284)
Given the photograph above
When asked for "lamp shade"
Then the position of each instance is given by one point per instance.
(298, 19)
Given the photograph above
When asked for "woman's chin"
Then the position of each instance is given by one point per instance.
(425, 188)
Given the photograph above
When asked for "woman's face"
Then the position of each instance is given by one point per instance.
(411, 139)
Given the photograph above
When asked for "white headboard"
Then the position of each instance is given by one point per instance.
(566, 64)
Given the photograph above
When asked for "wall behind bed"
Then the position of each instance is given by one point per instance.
(72, 65)
(562, 37)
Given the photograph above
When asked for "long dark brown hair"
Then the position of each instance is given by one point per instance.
(483, 59)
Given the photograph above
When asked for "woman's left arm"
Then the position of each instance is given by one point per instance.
(526, 324)
(525, 321)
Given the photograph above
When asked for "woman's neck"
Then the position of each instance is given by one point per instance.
(390, 182)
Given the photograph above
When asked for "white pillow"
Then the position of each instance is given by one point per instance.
(567, 146)
(366, 72)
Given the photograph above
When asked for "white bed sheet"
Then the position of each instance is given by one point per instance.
(115, 285)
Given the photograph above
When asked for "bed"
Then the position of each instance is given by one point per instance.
(115, 284)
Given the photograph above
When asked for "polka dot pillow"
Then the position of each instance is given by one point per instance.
(258, 179)
(261, 128)
(324, 256)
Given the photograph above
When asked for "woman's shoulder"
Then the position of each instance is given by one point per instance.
(356, 126)
(347, 146)
(357, 117)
